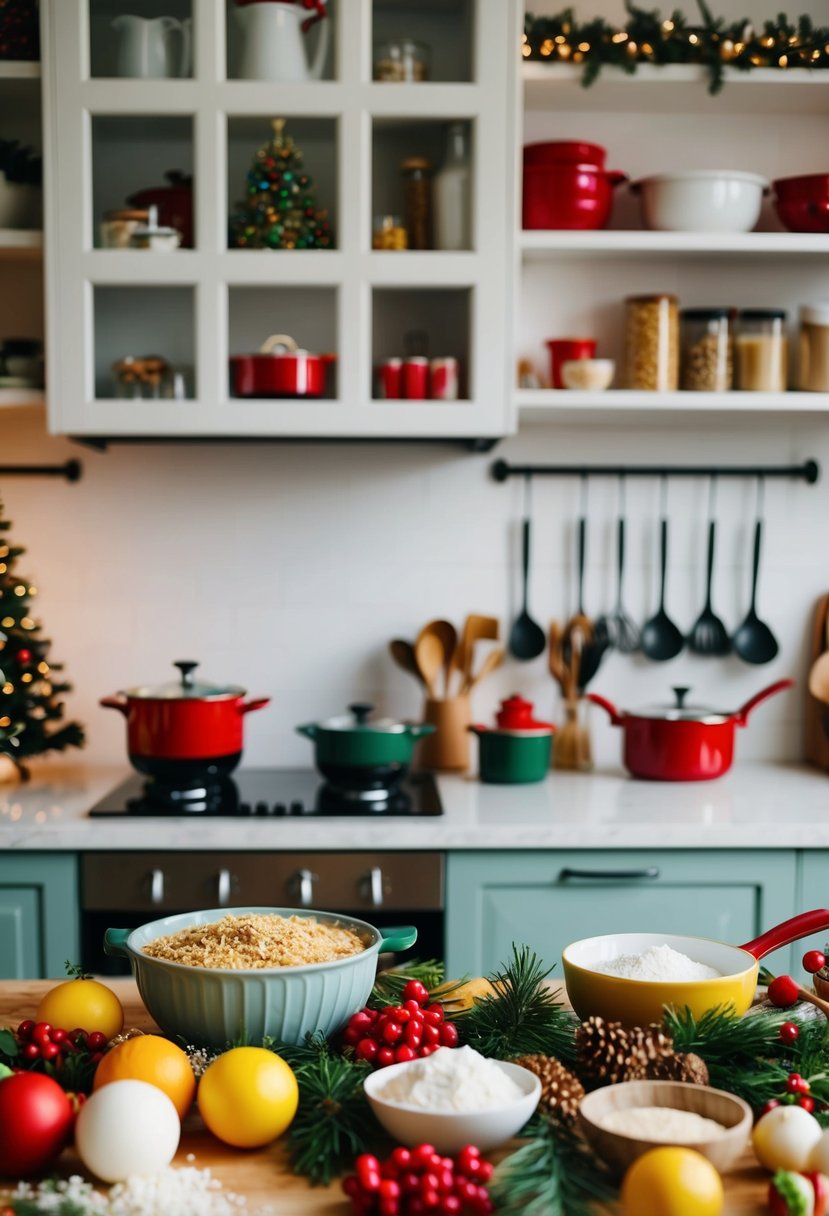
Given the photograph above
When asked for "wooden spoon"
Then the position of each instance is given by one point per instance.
(819, 678)
(555, 658)
(448, 635)
(494, 659)
(477, 628)
(430, 658)
(404, 656)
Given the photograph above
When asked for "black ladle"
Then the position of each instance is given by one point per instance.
(661, 639)
(709, 635)
(526, 638)
(754, 642)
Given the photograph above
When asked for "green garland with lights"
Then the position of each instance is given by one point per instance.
(648, 37)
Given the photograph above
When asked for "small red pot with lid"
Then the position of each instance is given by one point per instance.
(279, 369)
(681, 742)
(184, 732)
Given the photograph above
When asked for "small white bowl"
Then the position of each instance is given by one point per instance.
(701, 200)
(588, 375)
(449, 1131)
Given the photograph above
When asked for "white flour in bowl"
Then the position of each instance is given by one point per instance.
(452, 1079)
(659, 964)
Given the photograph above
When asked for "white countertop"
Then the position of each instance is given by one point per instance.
(753, 806)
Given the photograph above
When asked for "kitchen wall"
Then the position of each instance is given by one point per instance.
(287, 568)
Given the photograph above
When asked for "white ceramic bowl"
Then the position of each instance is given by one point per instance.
(701, 200)
(588, 375)
(449, 1131)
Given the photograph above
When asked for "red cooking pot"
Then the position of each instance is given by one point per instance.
(802, 203)
(280, 369)
(681, 742)
(184, 732)
(563, 195)
(174, 203)
(565, 151)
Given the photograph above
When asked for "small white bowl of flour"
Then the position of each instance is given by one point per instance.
(451, 1098)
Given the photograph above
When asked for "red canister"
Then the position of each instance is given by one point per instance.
(416, 378)
(443, 379)
(562, 350)
(391, 379)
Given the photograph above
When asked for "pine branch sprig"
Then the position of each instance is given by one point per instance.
(553, 1174)
(389, 985)
(334, 1122)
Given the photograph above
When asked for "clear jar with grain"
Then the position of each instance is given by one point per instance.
(813, 370)
(706, 364)
(417, 195)
(761, 351)
(652, 343)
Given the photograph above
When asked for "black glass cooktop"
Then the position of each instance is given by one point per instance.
(269, 793)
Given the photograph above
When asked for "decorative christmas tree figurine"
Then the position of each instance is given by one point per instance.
(280, 210)
(29, 695)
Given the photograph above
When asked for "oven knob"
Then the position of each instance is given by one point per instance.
(297, 808)
(261, 808)
(280, 808)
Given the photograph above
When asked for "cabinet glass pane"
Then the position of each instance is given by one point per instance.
(307, 315)
(442, 32)
(422, 174)
(424, 322)
(282, 190)
(21, 199)
(154, 45)
(138, 163)
(268, 42)
(144, 344)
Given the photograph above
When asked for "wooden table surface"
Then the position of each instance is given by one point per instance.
(263, 1176)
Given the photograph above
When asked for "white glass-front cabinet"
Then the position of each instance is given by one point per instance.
(169, 109)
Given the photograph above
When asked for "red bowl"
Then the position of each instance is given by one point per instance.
(802, 203)
(568, 196)
(565, 151)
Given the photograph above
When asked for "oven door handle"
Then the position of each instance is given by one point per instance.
(115, 942)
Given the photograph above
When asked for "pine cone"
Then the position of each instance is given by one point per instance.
(683, 1066)
(608, 1052)
(561, 1090)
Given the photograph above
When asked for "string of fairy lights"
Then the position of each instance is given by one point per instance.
(647, 37)
(37, 679)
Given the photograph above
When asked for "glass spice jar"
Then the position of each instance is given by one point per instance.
(417, 194)
(813, 371)
(652, 343)
(706, 358)
(401, 60)
(388, 232)
(761, 351)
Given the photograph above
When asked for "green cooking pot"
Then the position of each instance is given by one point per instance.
(513, 757)
(355, 753)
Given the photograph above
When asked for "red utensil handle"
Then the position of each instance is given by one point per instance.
(789, 931)
(741, 716)
(608, 706)
(258, 703)
(119, 703)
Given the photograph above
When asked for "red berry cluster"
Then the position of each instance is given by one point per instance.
(413, 1182)
(400, 1032)
(41, 1041)
(797, 1093)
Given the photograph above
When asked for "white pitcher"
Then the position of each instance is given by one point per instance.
(145, 46)
(271, 42)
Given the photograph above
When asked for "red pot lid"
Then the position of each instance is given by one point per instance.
(680, 712)
(186, 688)
(517, 714)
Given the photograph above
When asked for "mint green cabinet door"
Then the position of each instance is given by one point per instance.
(548, 899)
(813, 893)
(39, 916)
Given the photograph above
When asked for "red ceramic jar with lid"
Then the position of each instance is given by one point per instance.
(517, 714)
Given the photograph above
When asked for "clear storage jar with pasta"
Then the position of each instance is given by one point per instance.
(761, 351)
(706, 358)
(813, 371)
(652, 343)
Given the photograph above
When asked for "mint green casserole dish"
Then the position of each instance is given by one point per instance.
(211, 1007)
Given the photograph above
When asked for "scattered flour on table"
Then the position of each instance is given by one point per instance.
(660, 964)
(171, 1192)
(663, 1125)
(452, 1079)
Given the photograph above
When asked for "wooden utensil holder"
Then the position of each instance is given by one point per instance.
(448, 749)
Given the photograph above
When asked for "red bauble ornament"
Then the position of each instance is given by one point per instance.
(35, 1122)
(783, 991)
(25, 656)
(814, 960)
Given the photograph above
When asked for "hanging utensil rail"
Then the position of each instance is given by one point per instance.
(809, 471)
(71, 470)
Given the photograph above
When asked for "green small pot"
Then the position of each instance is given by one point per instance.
(513, 757)
(355, 753)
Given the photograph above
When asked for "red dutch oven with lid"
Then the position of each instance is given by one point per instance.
(279, 369)
(184, 731)
(681, 742)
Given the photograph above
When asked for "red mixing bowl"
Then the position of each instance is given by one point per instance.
(802, 203)
(565, 151)
(562, 195)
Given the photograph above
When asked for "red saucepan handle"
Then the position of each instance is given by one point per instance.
(741, 716)
(257, 703)
(608, 706)
(790, 931)
(116, 702)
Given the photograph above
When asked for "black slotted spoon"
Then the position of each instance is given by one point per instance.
(616, 627)
(709, 635)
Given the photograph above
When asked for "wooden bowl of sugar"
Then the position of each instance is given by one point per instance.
(621, 1122)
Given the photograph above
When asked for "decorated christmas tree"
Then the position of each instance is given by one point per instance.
(30, 704)
(280, 209)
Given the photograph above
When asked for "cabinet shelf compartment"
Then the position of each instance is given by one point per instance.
(234, 41)
(143, 321)
(315, 138)
(395, 140)
(132, 153)
(434, 321)
(307, 314)
(445, 27)
(104, 40)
